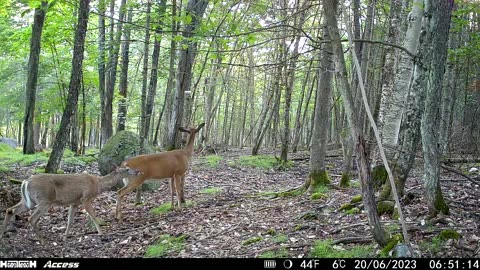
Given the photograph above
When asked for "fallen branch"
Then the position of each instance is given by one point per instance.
(349, 240)
(460, 173)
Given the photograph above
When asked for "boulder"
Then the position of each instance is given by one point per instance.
(11, 142)
(121, 146)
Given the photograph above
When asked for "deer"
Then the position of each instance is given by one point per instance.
(172, 165)
(47, 190)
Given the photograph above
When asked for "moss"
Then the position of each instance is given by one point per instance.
(317, 196)
(211, 191)
(279, 239)
(352, 211)
(164, 245)
(448, 234)
(281, 253)
(345, 180)
(385, 207)
(379, 176)
(356, 198)
(271, 231)
(121, 146)
(325, 249)
(319, 178)
(392, 242)
(300, 227)
(346, 206)
(252, 240)
(213, 160)
(165, 207)
(440, 204)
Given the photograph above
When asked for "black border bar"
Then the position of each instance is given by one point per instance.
(242, 263)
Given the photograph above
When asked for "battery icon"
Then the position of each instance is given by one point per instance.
(269, 264)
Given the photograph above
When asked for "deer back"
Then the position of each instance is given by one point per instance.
(62, 189)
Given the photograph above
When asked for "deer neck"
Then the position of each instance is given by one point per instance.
(107, 182)
(189, 147)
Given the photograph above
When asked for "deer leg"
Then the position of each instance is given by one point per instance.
(123, 191)
(11, 212)
(182, 192)
(178, 187)
(172, 191)
(71, 212)
(35, 217)
(138, 195)
(91, 212)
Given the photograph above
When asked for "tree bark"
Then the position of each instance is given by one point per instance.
(352, 116)
(123, 87)
(318, 174)
(101, 54)
(73, 89)
(196, 9)
(437, 26)
(31, 87)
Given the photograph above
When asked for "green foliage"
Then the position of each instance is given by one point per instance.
(5, 148)
(211, 191)
(4, 169)
(280, 253)
(252, 240)
(262, 162)
(165, 207)
(165, 245)
(325, 249)
(213, 160)
(433, 246)
(280, 238)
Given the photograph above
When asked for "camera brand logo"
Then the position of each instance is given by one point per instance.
(18, 264)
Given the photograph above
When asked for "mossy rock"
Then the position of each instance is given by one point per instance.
(448, 234)
(392, 242)
(121, 146)
(356, 198)
(346, 207)
(385, 207)
(379, 176)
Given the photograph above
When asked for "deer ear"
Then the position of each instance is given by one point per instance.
(200, 126)
(114, 167)
(184, 130)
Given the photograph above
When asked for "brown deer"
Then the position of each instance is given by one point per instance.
(171, 164)
(47, 190)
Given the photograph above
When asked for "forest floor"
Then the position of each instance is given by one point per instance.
(226, 217)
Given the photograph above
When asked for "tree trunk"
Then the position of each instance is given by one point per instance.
(123, 87)
(318, 174)
(73, 89)
(31, 87)
(394, 115)
(352, 116)
(389, 65)
(101, 55)
(114, 48)
(171, 76)
(196, 9)
(437, 26)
